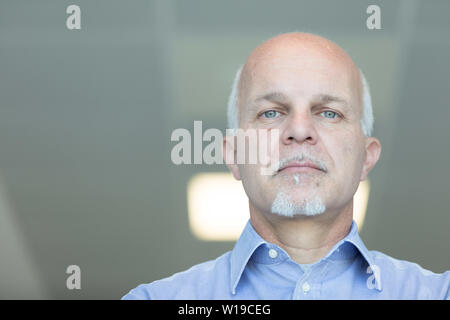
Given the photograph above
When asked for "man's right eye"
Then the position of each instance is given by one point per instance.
(270, 114)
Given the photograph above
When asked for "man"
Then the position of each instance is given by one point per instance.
(301, 241)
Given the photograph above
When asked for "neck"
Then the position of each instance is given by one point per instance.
(305, 239)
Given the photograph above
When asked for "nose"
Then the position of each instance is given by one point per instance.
(300, 128)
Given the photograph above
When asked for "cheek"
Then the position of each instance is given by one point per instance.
(353, 157)
(349, 150)
(260, 189)
(251, 178)
(346, 155)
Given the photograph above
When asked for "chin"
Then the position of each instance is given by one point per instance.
(286, 206)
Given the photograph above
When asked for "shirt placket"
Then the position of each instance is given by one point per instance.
(309, 285)
(303, 287)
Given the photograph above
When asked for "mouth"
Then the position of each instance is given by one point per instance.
(300, 167)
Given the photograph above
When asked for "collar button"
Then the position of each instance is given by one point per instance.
(273, 253)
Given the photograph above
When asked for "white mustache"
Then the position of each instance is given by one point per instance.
(299, 158)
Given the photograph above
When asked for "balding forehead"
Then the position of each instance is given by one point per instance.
(300, 47)
(299, 44)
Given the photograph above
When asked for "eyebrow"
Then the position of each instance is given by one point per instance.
(276, 97)
(281, 98)
(326, 98)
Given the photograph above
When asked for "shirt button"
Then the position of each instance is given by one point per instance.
(273, 253)
(306, 287)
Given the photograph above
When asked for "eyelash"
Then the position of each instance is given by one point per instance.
(338, 115)
(262, 114)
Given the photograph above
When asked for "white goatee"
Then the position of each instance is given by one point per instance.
(284, 206)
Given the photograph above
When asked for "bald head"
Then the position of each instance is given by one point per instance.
(325, 64)
(300, 45)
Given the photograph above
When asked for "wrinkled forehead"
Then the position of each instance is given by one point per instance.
(303, 70)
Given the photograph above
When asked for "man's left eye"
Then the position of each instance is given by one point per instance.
(330, 114)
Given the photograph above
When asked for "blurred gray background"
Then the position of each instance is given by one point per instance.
(86, 118)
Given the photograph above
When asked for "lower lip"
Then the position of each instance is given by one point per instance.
(299, 169)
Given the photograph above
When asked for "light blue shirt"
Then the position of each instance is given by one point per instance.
(257, 269)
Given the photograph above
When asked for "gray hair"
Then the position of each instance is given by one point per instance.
(366, 118)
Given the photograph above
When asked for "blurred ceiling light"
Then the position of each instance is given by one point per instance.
(360, 201)
(218, 206)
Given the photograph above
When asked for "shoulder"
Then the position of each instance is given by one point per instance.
(408, 280)
(202, 281)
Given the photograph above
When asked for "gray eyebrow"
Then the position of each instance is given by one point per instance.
(326, 98)
(281, 98)
(276, 97)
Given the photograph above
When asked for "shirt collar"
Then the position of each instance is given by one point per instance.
(250, 240)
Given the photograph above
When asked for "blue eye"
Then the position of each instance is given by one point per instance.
(330, 114)
(270, 114)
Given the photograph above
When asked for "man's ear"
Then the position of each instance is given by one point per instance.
(373, 150)
(229, 155)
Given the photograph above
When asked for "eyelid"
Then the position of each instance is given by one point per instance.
(338, 114)
(261, 113)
